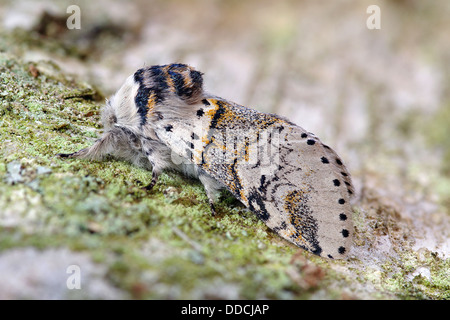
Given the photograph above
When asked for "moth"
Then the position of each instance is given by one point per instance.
(163, 119)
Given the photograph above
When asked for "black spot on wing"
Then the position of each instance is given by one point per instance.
(200, 113)
(317, 250)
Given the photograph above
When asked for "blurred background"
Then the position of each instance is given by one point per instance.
(380, 98)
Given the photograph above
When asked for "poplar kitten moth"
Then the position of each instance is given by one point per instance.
(162, 119)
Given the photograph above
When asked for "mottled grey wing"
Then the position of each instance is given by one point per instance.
(306, 198)
(295, 184)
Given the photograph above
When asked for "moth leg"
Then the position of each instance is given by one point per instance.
(211, 205)
(65, 155)
(155, 175)
(156, 164)
(211, 187)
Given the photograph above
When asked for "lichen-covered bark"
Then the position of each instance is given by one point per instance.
(391, 127)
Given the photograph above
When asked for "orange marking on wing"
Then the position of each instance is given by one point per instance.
(291, 202)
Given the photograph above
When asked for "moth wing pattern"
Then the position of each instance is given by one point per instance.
(293, 182)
